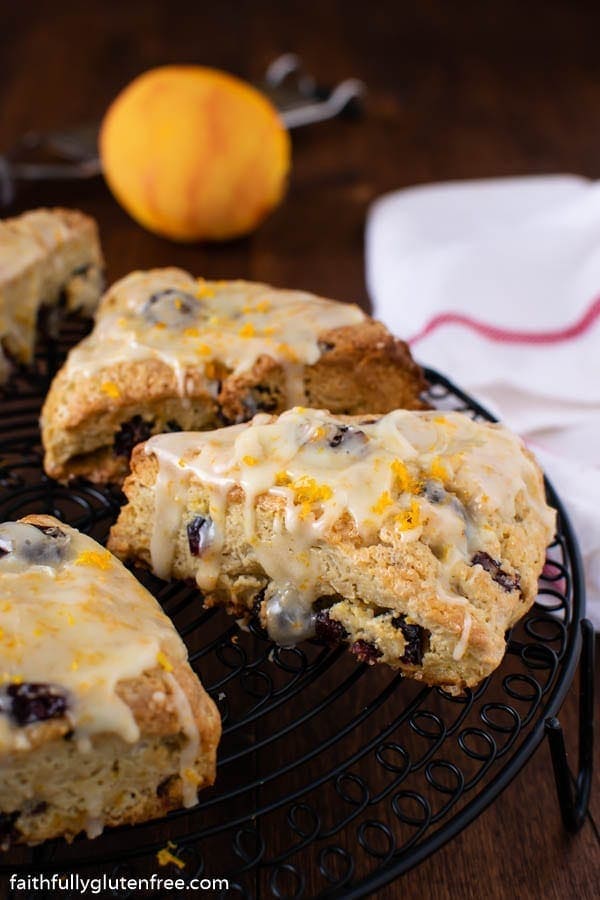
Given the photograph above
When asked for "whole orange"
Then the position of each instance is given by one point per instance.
(194, 153)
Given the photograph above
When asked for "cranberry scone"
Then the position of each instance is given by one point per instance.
(47, 257)
(102, 721)
(170, 352)
(415, 537)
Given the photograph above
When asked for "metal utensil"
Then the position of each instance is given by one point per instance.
(72, 154)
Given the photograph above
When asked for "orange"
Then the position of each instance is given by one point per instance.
(194, 153)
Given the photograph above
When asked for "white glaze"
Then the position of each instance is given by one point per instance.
(235, 322)
(376, 476)
(459, 650)
(84, 624)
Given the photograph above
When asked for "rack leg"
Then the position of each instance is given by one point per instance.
(573, 801)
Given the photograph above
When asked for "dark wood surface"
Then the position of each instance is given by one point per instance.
(461, 90)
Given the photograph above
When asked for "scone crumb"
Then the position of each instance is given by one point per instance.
(165, 856)
(163, 661)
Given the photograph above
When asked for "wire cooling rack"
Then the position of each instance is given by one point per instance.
(333, 777)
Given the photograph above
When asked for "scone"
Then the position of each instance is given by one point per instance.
(416, 537)
(47, 257)
(174, 353)
(102, 721)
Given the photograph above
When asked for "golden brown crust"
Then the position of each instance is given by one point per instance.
(46, 256)
(362, 369)
(373, 582)
(47, 780)
(384, 374)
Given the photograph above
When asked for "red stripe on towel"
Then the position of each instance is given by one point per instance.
(507, 335)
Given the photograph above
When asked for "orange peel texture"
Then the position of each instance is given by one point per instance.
(194, 153)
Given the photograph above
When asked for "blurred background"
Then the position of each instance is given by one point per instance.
(463, 90)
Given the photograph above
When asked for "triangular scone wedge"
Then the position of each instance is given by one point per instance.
(102, 721)
(170, 352)
(416, 537)
(48, 257)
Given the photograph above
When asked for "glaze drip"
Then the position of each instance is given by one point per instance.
(396, 479)
(72, 613)
(187, 323)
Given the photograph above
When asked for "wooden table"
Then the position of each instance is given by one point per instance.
(455, 91)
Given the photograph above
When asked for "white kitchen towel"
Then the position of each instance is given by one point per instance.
(497, 284)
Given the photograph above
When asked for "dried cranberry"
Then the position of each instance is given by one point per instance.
(260, 398)
(52, 531)
(415, 637)
(131, 433)
(249, 408)
(325, 346)
(347, 437)
(40, 545)
(338, 435)
(365, 652)
(200, 532)
(163, 789)
(492, 566)
(329, 630)
(172, 307)
(435, 491)
(36, 702)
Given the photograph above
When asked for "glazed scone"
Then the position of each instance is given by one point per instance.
(416, 537)
(102, 721)
(47, 257)
(174, 353)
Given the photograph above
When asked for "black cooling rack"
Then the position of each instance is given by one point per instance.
(334, 778)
